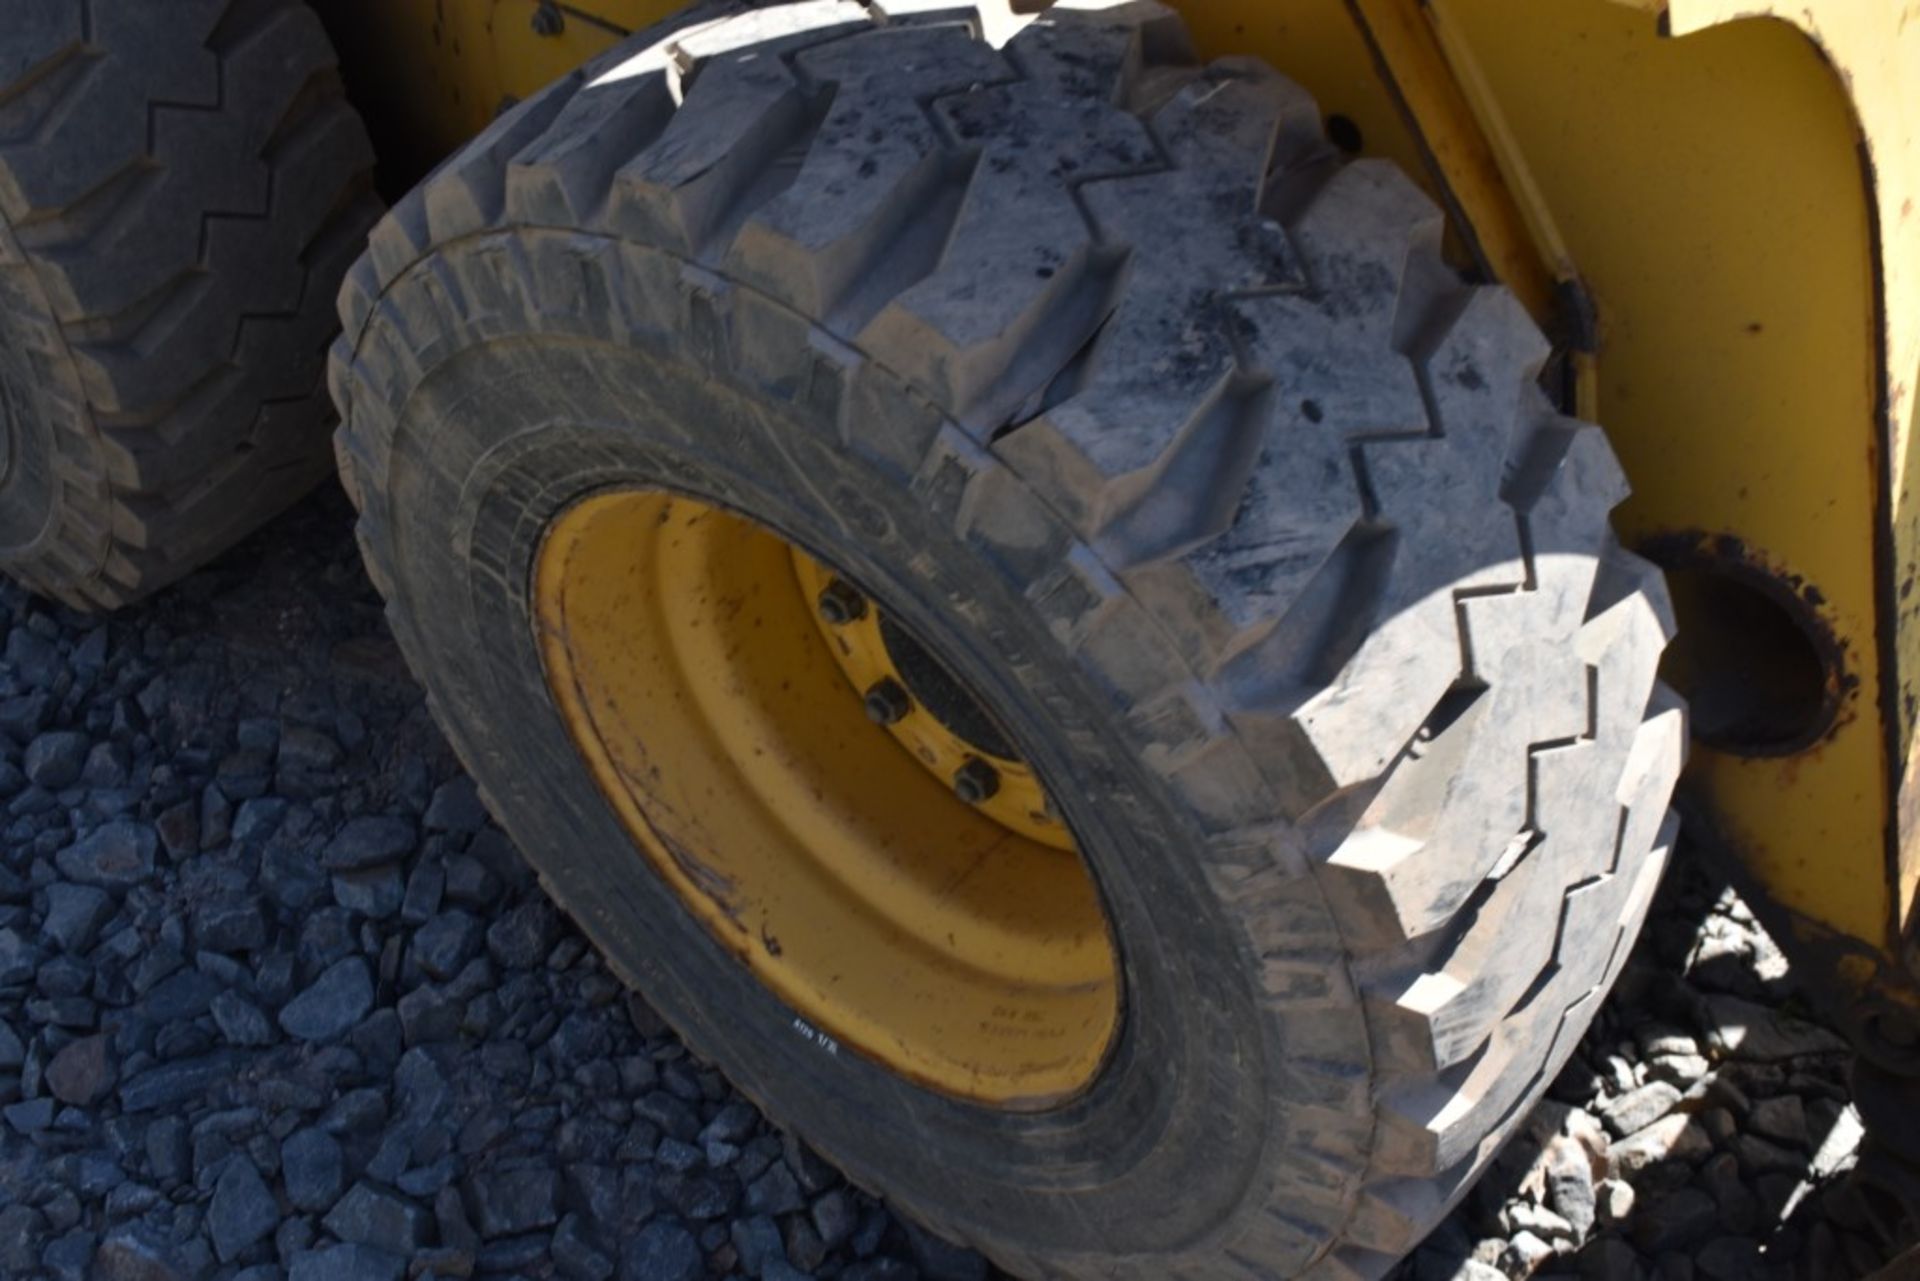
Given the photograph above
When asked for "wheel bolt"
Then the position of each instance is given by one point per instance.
(976, 781)
(841, 603)
(887, 702)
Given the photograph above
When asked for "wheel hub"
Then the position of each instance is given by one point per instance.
(935, 717)
(839, 811)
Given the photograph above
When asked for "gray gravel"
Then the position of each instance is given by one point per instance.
(1702, 1130)
(278, 1000)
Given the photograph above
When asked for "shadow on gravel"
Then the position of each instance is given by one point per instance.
(277, 999)
(1702, 1130)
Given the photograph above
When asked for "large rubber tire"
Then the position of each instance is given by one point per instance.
(1177, 436)
(182, 187)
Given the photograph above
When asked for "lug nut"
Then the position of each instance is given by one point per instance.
(976, 782)
(841, 603)
(888, 702)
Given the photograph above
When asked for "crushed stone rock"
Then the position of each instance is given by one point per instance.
(280, 1002)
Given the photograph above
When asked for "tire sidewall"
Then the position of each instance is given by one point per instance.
(33, 364)
(26, 480)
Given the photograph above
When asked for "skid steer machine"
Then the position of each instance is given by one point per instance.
(1047, 584)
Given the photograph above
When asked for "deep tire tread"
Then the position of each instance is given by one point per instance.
(1307, 513)
(184, 298)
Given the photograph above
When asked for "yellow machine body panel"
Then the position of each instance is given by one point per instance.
(1714, 204)
(1710, 204)
(1706, 184)
(1731, 194)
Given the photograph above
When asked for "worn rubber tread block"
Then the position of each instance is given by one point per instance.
(1281, 486)
(187, 185)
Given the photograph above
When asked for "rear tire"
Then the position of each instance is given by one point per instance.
(182, 187)
(1171, 431)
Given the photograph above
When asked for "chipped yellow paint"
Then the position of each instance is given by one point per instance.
(1695, 170)
(1732, 185)
(859, 646)
(1469, 150)
(893, 919)
(1873, 56)
(1708, 191)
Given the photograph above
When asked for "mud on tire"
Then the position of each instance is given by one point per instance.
(1159, 412)
(182, 187)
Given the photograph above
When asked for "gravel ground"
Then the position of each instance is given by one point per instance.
(276, 999)
(1702, 1129)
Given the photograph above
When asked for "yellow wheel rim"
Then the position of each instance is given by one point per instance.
(959, 942)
